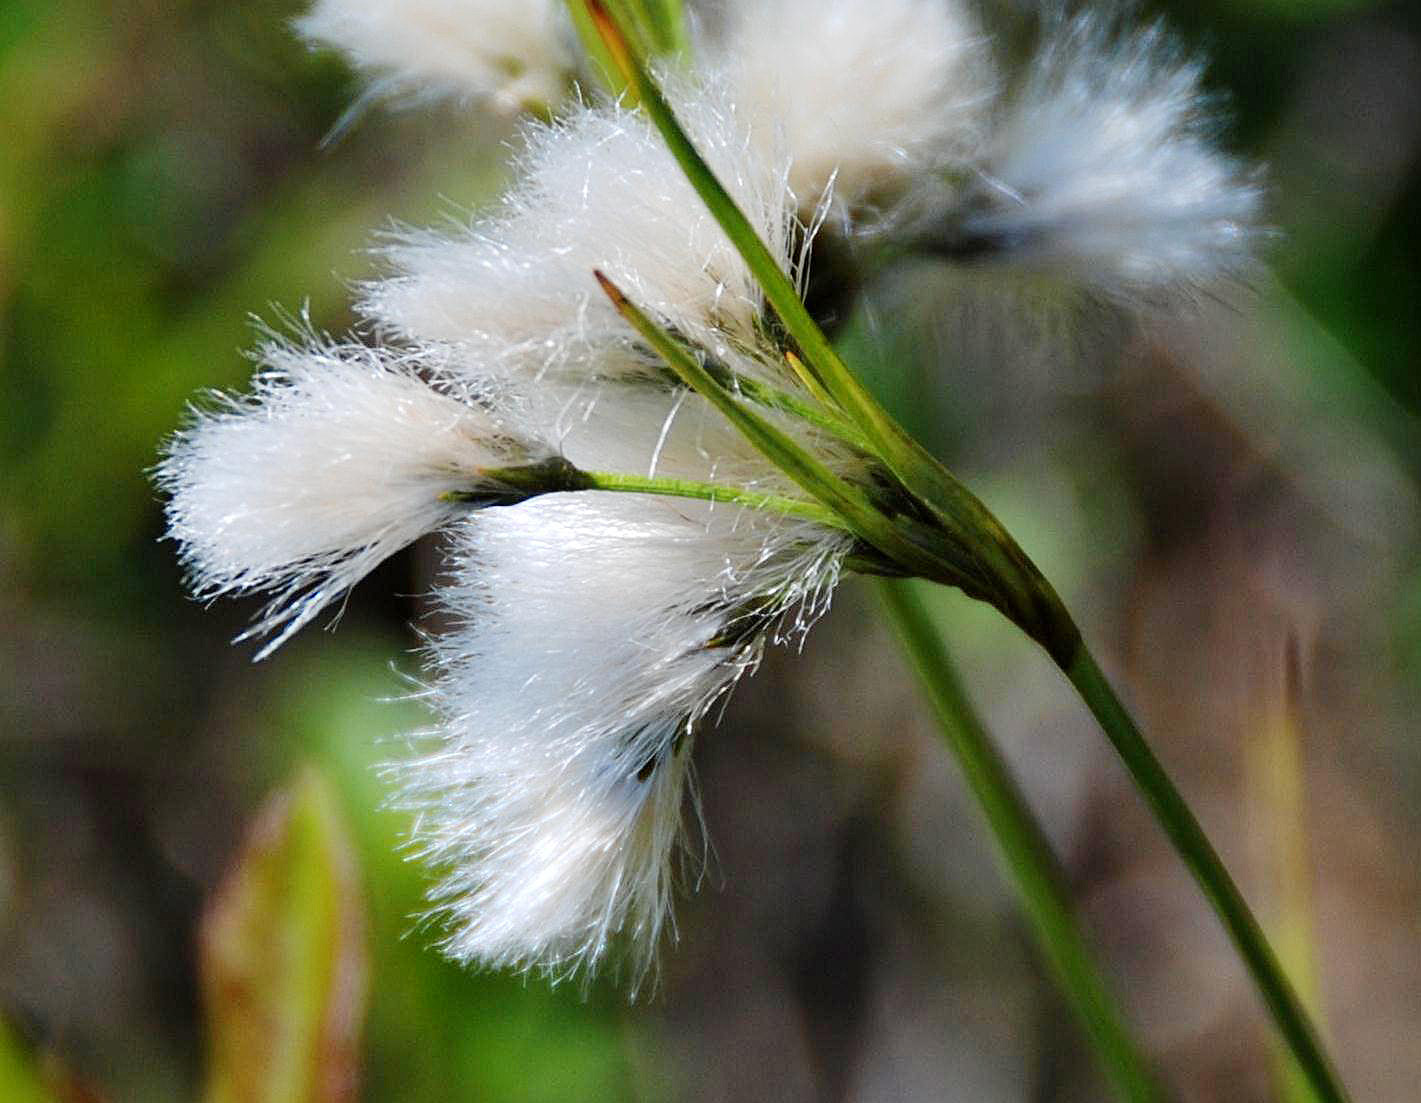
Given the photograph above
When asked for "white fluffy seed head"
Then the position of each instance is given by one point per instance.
(337, 459)
(596, 191)
(546, 866)
(863, 97)
(513, 54)
(592, 632)
(1104, 167)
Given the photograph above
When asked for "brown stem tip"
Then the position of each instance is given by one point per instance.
(612, 291)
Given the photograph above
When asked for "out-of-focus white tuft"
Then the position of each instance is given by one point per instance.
(514, 54)
(1104, 168)
(592, 632)
(862, 97)
(598, 190)
(336, 460)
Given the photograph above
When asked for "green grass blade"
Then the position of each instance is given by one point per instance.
(811, 412)
(1023, 847)
(714, 492)
(283, 959)
(1208, 869)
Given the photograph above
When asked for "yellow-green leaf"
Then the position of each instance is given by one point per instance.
(283, 958)
(20, 1080)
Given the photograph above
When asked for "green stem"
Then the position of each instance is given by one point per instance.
(1022, 843)
(1208, 870)
(501, 486)
(712, 492)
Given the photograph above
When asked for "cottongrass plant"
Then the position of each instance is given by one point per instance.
(644, 456)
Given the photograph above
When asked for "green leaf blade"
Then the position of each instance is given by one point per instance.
(20, 1079)
(283, 959)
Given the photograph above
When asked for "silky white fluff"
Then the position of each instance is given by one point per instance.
(1105, 167)
(863, 98)
(337, 459)
(598, 190)
(643, 430)
(593, 631)
(511, 53)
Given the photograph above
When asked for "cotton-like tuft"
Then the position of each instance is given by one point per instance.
(338, 458)
(593, 631)
(1104, 168)
(862, 97)
(513, 54)
(596, 191)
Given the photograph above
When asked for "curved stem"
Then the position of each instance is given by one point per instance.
(1208, 869)
(1022, 844)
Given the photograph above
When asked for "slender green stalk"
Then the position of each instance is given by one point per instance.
(1204, 863)
(509, 485)
(1023, 846)
(712, 492)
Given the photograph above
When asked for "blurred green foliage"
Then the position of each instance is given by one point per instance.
(19, 1078)
(284, 960)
